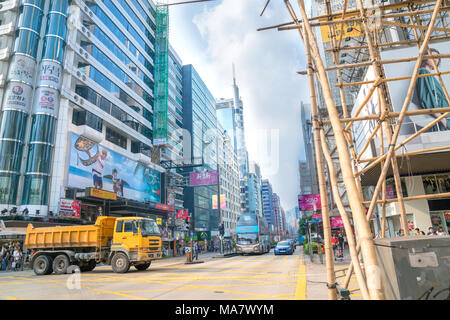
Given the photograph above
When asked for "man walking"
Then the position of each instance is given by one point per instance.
(196, 250)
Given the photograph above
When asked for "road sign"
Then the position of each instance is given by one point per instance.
(191, 234)
(188, 249)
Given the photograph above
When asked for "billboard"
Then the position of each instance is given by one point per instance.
(309, 202)
(94, 166)
(349, 29)
(428, 93)
(223, 201)
(204, 178)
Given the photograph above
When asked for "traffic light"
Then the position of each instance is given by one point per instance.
(222, 229)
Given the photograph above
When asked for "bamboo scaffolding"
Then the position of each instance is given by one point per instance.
(420, 197)
(359, 217)
(393, 141)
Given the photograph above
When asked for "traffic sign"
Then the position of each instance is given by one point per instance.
(191, 234)
(188, 249)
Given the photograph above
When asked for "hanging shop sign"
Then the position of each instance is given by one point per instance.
(182, 214)
(336, 222)
(309, 202)
(204, 178)
(348, 29)
(70, 208)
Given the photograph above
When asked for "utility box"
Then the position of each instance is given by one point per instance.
(415, 267)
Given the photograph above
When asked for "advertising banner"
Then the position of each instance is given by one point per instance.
(309, 202)
(21, 68)
(428, 92)
(182, 214)
(348, 29)
(18, 96)
(70, 208)
(204, 178)
(336, 222)
(46, 101)
(50, 74)
(93, 166)
(223, 201)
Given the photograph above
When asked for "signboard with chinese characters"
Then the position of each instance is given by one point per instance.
(70, 208)
(204, 178)
(21, 69)
(46, 101)
(348, 29)
(309, 202)
(223, 201)
(50, 74)
(18, 96)
(102, 194)
(336, 222)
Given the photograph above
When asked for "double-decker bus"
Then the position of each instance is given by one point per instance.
(252, 234)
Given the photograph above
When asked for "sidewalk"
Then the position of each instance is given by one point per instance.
(316, 277)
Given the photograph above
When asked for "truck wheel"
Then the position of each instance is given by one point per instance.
(42, 265)
(142, 267)
(60, 264)
(120, 263)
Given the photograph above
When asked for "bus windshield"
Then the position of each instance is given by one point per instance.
(247, 220)
(149, 228)
(247, 238)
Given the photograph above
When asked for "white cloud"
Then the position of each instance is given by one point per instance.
(266, 64)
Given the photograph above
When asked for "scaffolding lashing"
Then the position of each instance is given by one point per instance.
(356, 52)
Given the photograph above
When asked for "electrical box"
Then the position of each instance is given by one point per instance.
(413, 267)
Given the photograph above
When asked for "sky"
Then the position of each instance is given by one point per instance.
(212, 36)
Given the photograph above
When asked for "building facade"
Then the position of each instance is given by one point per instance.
(229, 181)
(199, 120)
(77, 111)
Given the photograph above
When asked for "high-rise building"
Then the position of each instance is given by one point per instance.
(199, 119)
(228, 180)
(252, 197)
(78, 102)
(277, 215)
(267, 202)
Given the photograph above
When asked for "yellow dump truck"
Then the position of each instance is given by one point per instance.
(119, 242)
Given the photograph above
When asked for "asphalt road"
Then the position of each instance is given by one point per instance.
(255, 277)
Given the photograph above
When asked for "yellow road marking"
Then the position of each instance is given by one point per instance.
(300, 291)
(13, 298)
(115, 293)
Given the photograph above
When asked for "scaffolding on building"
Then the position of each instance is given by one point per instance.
(416, 23)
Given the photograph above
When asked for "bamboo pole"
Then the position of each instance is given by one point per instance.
(352, 84)
(367, 63)
(345, 219)
(419, 197)
(331, 277)
(391, 44)
(393, 115)
(359, 217)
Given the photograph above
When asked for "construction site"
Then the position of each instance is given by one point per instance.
(367, 65)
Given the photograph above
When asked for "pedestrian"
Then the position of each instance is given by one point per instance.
(441, 232)
(417, 230)
(4, 258)
(196, 250)
(401, 233)
(341, 245)
(335, 243)
(431, 232)
(17, 258)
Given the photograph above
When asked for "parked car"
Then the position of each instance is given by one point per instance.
(283, 247)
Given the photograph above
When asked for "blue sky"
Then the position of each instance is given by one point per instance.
(213, 35)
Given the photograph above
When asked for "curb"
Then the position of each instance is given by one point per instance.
(227, 255)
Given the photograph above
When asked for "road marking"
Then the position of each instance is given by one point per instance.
(13, 298)
(114, 293)
(300, 291)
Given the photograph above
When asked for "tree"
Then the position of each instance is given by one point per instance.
(301, 225)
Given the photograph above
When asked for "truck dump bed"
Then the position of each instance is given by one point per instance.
(96, 235)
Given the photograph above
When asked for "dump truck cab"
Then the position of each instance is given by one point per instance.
(139, 239)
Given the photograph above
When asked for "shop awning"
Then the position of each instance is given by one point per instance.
(12, 235)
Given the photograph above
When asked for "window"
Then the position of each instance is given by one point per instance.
(119, 227)
(82, 117)
(116, 138)
(130, 226)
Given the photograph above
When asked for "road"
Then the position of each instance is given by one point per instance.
(256, 277)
